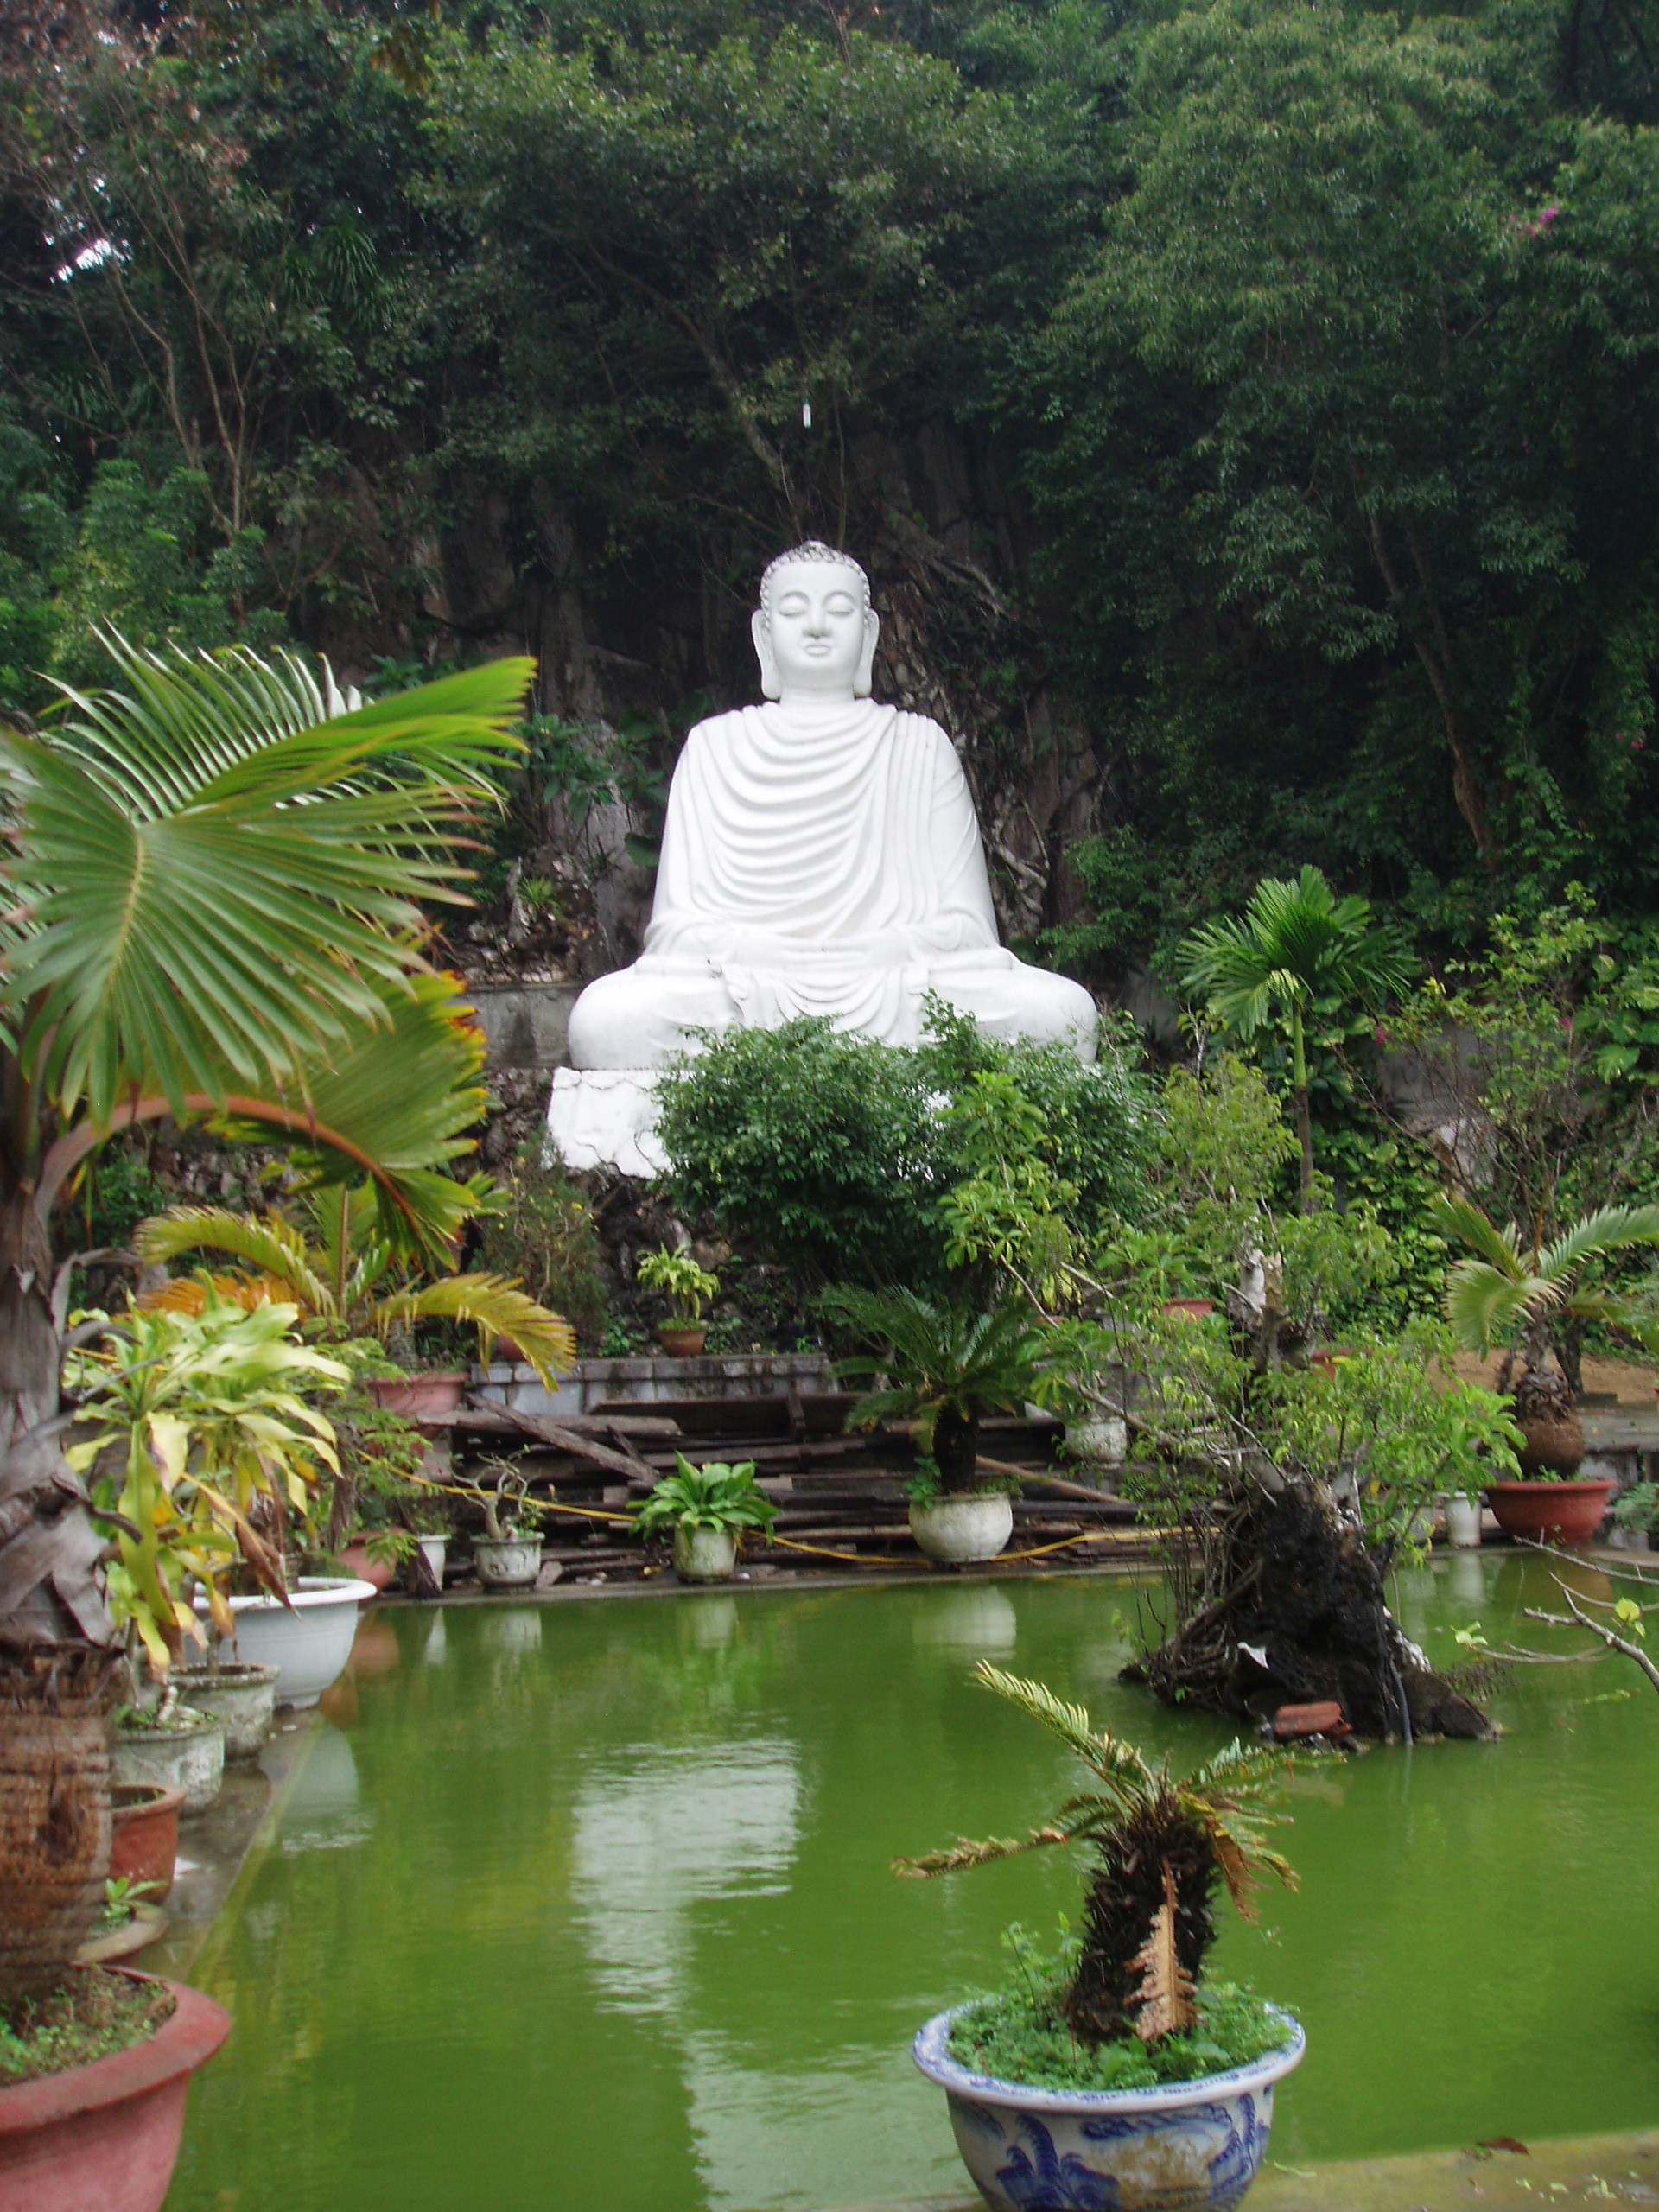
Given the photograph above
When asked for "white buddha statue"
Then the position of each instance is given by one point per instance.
(821, 857)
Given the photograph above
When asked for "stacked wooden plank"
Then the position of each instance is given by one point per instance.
(840, 1498)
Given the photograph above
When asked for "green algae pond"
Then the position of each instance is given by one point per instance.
(588, 1904)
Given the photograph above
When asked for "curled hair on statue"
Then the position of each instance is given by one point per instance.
(813, 549)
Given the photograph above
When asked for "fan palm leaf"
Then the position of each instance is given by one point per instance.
(214, 881)
(1502, 1290)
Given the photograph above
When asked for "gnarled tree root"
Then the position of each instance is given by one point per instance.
(1292, 1609)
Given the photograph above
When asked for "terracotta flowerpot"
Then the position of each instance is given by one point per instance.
(1189, 1309)
(417, 1397)
(1561, 1513)
(104, 2137)
(144, 1835)
(147, 1925)
(1551, 1441)
(377, 1572)
(683, 1339)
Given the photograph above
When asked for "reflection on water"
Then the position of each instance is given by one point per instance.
(616, 1929)
(977, 1618)
(324, 1810)
(656, 1834)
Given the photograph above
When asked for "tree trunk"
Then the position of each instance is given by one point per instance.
(62, 1665)
(956, 1447)
(1299, 1101)
(54, 1811)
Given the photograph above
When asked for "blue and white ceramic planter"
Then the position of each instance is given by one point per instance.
(1185, 2147)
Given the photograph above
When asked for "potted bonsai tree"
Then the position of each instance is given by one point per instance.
(1120, 2075)
(939, 1367)
(1524, 1296)
(708, 1507)
(508, 1555)
(687, 1289)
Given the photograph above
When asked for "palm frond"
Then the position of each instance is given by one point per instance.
(1499, 1248)
(265, 1244)
(494, 1303)
(1092, 1818)
(1609, 1228)
(194, 927)
(1485, 1305)
(1120, 1765)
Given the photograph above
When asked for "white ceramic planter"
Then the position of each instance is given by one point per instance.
(957, 1530)
(1195, 2146)
(310, 1644)
(1463, 1521)
(244, 1697)
(436, 1549)
(191, 1759)
(1098, 1443)
(704, 1554)
(507, 1562)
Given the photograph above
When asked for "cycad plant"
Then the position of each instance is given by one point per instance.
(1522, 1295)
(1295, 944)
(215, 883)
(1164, 1844)
(342, 1274)
(940, 1366)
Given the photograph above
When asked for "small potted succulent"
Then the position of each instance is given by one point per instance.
(708, 1507)
(940, 1367)
(1116, 2075)
(687, 1289)
(508, 1555)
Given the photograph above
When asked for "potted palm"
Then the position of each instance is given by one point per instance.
(708, 1507)
(313, 837)
(939, 1367)
(1117, 2075)
(1522, 1295)
(687, 1289)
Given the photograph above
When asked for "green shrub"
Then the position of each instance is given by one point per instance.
(540, 1228)
(823, 1149)
(843, 1158)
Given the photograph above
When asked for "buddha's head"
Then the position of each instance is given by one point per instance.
(815, 630)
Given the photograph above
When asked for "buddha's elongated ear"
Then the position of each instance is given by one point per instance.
(760, 631)
(863, 675)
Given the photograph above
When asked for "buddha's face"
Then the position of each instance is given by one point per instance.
(815, 635)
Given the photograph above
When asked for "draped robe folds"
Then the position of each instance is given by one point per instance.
(831, 866)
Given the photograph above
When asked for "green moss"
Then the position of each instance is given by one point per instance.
(93, 2015)
(1022, 2036)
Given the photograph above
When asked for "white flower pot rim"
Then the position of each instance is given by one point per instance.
(931, 2052)
(308, 1590)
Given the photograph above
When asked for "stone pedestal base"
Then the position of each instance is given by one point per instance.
(606, 1117)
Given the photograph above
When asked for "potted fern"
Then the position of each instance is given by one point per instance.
(1117, 2075)
(687, 1289)
(708, 1507)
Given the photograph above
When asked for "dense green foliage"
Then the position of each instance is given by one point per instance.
(1022, 2034)
(846, 1157)
(1301, 370)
